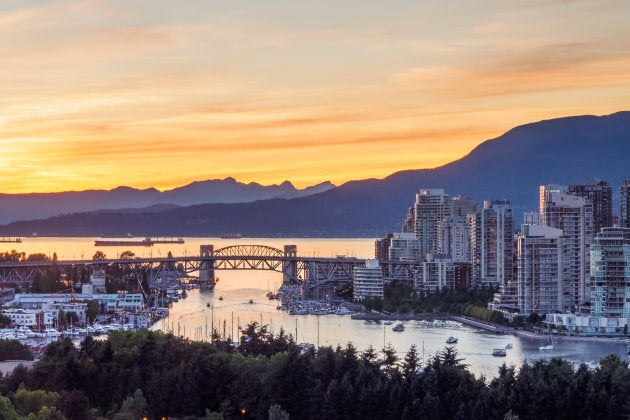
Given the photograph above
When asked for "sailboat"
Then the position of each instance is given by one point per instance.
(549, 345)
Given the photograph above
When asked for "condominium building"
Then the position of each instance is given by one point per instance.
(492, 231)
(368, 281)
(624, 215)
(454, 238)
(463, 206)
(438, 272)
(431, 207)
(381, 247)
(599, 193)
(539, 274)
(610, 273)
(404, 247)
(410, 221)
(574, 216)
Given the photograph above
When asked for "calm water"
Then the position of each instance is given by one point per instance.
(227, 306)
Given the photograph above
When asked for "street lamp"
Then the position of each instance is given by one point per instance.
(243, 412)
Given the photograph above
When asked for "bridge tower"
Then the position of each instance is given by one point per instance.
(289, 268)
(206, 267)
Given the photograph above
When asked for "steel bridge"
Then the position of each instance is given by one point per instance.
(309, 272)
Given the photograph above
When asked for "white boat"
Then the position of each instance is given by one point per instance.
(399, 327)
(342, 310)
(549, 345)
(499, 352)
(389, 322)
(51, 332)
(451, 340)
(508, 346)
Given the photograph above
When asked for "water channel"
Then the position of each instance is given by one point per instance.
(228, 306)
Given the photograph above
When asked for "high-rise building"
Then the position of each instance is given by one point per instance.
(610, 273)
(438, 272)
(454, 238)
(403, 247)
(492, 245)
(381, 247)
(599, 193)
(463, 206)
(574, 216)
(367, 281)
(431, 207)
(410, 221)
(531, 218)
(539, 274)
(624, 215)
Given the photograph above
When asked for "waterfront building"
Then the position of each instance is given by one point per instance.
(454, 238)
(610, 273)
(431, 207)
(574, 216)
(32, 318)
(79, 308)
(368, 281)
(587, 324)
(624, 215)
(492, 231)
(438, 272)
(404, 247)
(599, 193)
(539, 275)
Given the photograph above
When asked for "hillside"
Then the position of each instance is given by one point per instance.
(512, 166)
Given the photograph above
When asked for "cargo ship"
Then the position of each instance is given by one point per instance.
(122, 242)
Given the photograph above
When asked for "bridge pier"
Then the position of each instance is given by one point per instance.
(289, 268)
(206, 267)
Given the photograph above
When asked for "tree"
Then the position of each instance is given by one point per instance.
(127, 255)
(75, 405)
(27, 402)
(134, 407)
(7, 412)
(5, 321)
(277, 413)
(92, 310)
(99, 255)
(61, 318)
(72, 318)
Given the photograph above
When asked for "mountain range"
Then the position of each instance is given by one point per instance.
(42, 205)
(568, 150)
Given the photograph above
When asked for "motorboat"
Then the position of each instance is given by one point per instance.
(500, 352)
(399, 327)
(451, 340)
(508, 346)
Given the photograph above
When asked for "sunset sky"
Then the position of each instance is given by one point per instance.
(157, 93)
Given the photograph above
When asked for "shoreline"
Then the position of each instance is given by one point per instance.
(490, 327)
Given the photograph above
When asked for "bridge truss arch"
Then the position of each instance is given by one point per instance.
(252, 251)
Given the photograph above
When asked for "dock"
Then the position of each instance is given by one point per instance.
(17, 240)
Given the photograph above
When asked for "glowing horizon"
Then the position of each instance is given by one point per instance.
(104, 93)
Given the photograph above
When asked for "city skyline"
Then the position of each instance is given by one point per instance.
(102, 93)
